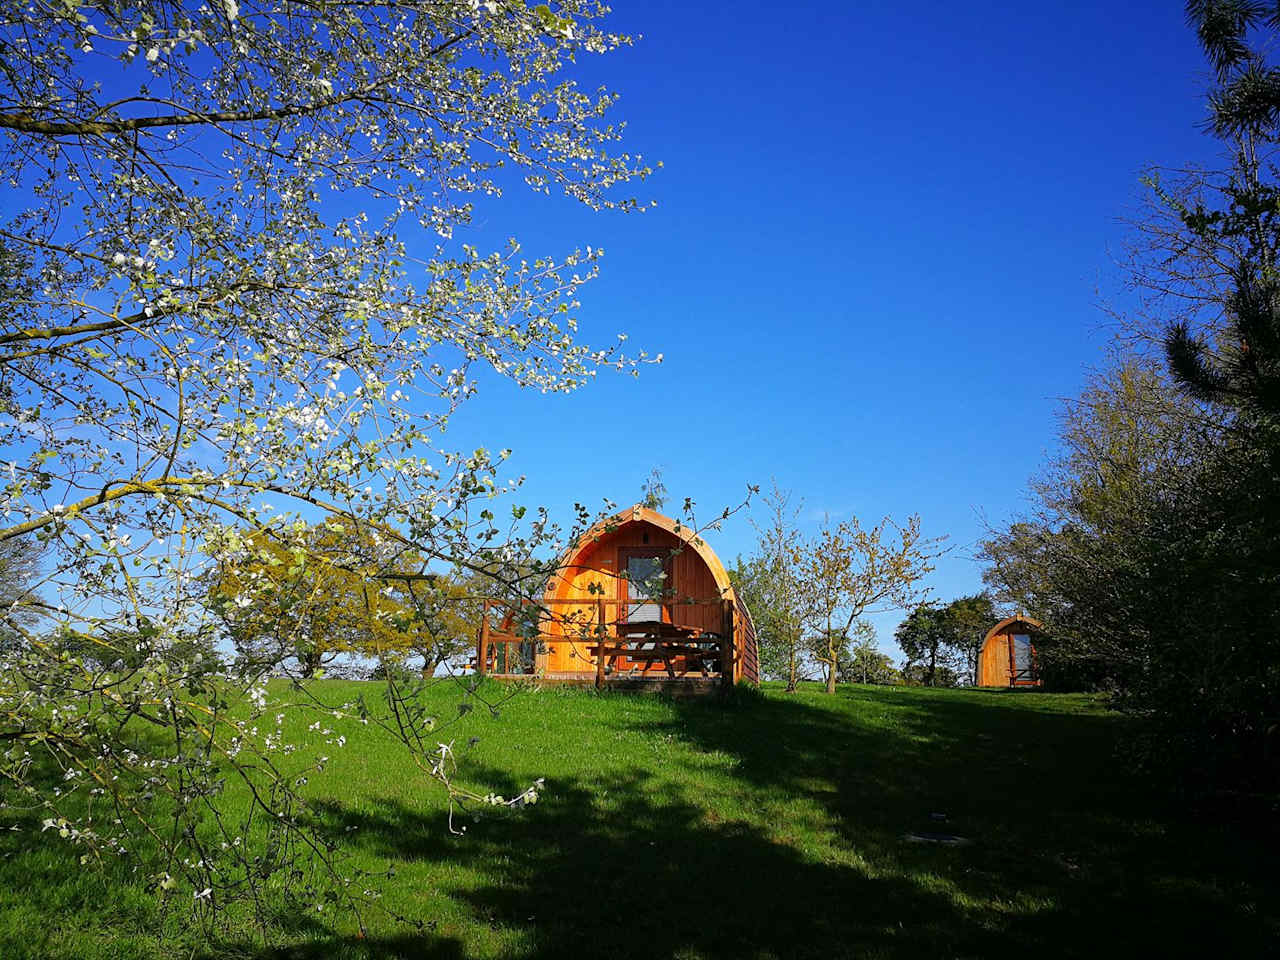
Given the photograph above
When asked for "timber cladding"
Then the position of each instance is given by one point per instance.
(746, 631)
(591, 594)
(1008, 655)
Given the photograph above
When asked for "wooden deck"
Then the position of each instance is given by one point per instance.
(615, 653)
(638, 592)
(629, 683)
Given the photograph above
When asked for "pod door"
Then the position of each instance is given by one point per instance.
(640, 591)
(1022, 666)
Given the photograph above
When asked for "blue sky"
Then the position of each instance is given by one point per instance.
(882, 237)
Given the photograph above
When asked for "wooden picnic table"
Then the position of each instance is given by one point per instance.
(654, 629)
(642, 631)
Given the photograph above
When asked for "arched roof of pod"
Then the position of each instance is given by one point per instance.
(641, 514)
(1010, 621)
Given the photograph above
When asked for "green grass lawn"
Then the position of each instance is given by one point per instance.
(770, 826)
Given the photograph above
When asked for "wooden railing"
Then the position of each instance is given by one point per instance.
(609, 640)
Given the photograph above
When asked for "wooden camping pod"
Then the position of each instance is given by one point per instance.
(1008, 657)
(637, 597)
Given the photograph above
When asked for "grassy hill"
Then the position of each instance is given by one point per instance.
(766, 826)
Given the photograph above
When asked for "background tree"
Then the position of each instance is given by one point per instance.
(945, 641)
(1150, 555)
(858, 658)
(846, 572)
(965, 622)
(653, 491)
(1129, 443)
(828, 650)
(1235, 363)
(923, 639)
(443, 616)
(917, 675)
(869, 665)
(1133, 449)
(772, 589)
(133, 648)
(234, 300)
(19, 598)
(315, 596)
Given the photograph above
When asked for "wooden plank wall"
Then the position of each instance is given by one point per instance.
(995, 667)
(993, 662)
(597, 564)
(747, 661)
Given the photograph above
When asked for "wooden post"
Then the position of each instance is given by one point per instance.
(601, 640)
(482, 646)
(726, 647)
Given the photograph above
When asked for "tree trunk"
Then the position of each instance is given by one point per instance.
(791, 677)
(308, 663)
(831, 666)
(933, 665)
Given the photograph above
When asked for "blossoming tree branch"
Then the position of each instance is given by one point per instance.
(238, 315)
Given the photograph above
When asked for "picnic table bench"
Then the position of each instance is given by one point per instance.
(651, 641)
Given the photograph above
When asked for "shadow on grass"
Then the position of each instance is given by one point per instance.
(1070, 854)
(407, 946)
(656, 879)
(1068, 857)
